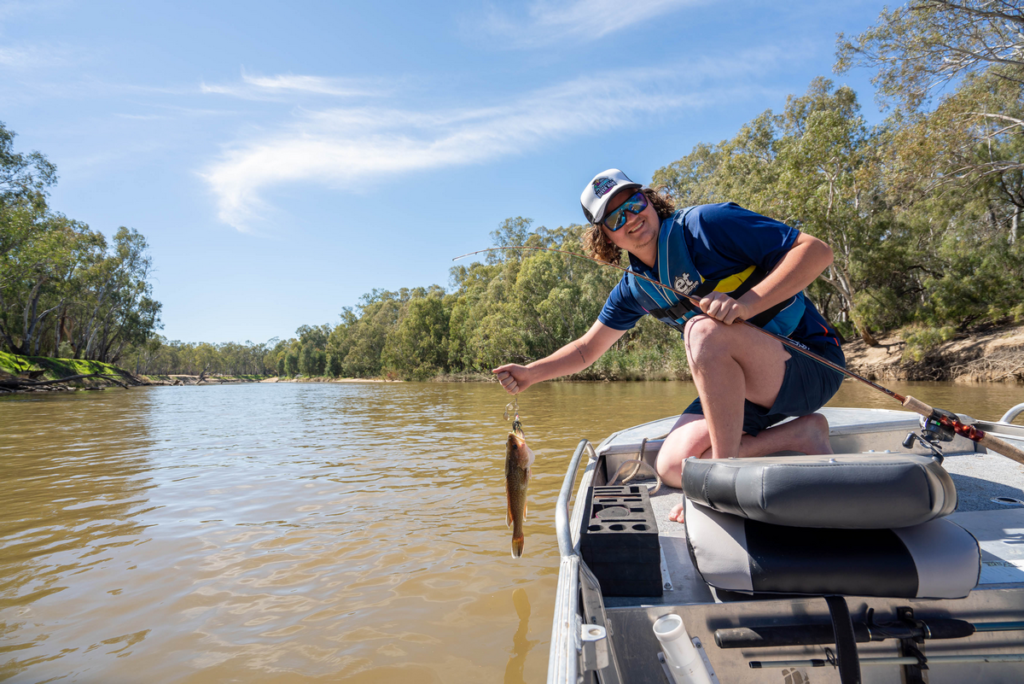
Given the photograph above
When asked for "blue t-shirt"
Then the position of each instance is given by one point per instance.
(723, 239)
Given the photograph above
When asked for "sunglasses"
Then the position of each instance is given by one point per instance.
(634, 205)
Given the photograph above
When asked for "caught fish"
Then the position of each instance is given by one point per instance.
(518, 459)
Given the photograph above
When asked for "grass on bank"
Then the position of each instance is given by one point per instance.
(55, 369)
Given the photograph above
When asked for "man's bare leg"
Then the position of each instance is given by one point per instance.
(731, 363)
(806, 434)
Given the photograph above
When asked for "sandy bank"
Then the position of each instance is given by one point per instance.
(995, 355)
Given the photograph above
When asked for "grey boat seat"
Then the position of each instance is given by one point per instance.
(844, 525)
(937, 559)
(848, 491)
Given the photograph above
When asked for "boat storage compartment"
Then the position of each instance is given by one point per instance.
(619, 541)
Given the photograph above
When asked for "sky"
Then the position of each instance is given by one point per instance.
(284, 158)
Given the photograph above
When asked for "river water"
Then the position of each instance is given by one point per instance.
(301, 532)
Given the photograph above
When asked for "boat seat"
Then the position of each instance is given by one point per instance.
(937, 559)
(842, 491)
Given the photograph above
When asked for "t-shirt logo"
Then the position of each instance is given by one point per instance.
(684, 284)
(602, 186)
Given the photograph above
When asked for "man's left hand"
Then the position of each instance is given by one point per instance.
(723, 308)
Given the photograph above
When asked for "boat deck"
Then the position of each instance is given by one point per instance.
(980, 479)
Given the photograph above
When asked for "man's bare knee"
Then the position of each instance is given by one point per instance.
(691, 438)
(706, 340)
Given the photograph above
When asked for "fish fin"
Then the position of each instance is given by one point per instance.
(508, 517)
(518, 544)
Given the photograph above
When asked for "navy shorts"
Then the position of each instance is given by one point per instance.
(806, 387)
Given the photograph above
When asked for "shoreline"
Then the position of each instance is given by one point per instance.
(993, 355)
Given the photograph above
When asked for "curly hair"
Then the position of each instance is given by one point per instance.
(596, 245)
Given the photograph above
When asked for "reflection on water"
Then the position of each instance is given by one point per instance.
(520, 644)
(299, 532)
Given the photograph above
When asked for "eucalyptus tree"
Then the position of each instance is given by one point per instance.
(24, 176)
(953, 73)
(926, 45)
(418, 345)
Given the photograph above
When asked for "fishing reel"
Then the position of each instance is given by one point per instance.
(933, 432)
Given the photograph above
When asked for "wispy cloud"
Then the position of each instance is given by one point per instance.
(351, 147)
(29, 57)
(255, 87)
(577, 20)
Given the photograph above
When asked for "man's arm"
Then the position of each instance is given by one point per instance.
(805, 261)
(572, 358)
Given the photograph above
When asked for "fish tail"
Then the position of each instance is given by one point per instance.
(518, 544)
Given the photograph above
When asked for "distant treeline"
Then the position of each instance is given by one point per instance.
(923, 212)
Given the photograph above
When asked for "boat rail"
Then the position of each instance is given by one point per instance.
(566, 643)
(1012, 413)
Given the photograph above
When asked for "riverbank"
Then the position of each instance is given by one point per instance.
(23, 374)
(20, 374)
(993, 355)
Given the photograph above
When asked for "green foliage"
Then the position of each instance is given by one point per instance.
(63, 286)
(291, 363)
(335, 366)
(920, 341)
(922, 46)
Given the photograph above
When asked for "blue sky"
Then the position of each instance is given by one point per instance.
(283, 158)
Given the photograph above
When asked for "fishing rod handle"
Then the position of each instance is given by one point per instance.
(1001, 447)
(983, 438)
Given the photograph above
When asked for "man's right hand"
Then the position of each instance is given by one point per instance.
(513, 377)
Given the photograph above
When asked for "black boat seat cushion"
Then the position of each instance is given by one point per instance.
(938, 559)
(854, 491)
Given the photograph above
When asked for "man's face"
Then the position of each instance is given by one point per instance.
(640, 230)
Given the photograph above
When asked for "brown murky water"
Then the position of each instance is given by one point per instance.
(293, 533)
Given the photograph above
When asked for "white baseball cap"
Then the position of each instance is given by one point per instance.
(601, 189)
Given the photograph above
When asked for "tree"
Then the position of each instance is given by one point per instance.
(418, 345)
(511, 233)
(973, 47)
(928, 44)
(23, 176)
(291, 363)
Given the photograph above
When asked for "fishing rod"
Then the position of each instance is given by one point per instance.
(936, 418)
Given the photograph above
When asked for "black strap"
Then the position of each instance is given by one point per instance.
(683, 306)
(846, 642)
(762, 319)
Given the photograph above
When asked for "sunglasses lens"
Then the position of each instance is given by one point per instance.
(634, 205)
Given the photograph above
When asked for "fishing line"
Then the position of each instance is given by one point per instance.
(968, 431)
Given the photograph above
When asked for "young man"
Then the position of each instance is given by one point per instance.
(742, 266)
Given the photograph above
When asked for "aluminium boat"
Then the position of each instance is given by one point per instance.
(804, 602)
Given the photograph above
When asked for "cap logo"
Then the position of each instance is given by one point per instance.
(602, 186)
